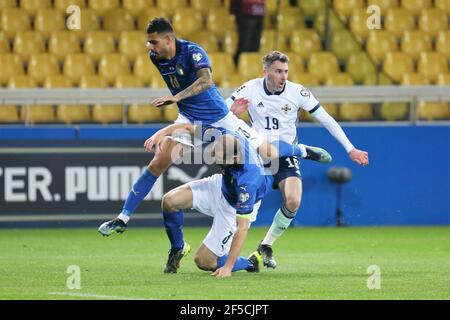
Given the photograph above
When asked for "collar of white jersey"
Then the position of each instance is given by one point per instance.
(276, 93)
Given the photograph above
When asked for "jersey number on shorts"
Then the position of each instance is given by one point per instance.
(225, 240)
(292, 165)
(274, 125)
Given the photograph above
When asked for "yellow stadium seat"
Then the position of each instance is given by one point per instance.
(222, 65)
(312, 8)
(414, 79)
(102, 6)
(10, 66)
(144, 69)
(381, 79)
(444, 79)
(305, 79)
(322, 64)
(433, 21)
(64, 4)
(157, 82)
(144, 113)
(415, 42)
(127, 81)
(187, 21)
(290, 19)
(77, 65)
(339, 79)
(57, 81)
(219, 21)
(233, 81)
(355, 111)
(170, 113)
(358, 24)
(73, 113)
(147, 14)
(14, 20)
(331, 108)
(272, 5)
(62, 43)
(118, 20)
(132, 43)
(8, 114)
(394, 111)
(93, 82)
(89, 22)
(399, 20)
(230, 42)
(343, 44)
(431, 64)
(444, 5)
(273, 40)
(42, 65)
(32, 6)
(267, 22)
(334, 21)
(135, 7)
(443, 43)
(27, 43)
(379, 43)
(48, 21)
(37, 113)
(107, 113)
(296, 63)
(113, 65)
(21, 81)
(7, 4)
(305, 42)
(433, 110)
(345, 7)
(203, 6)
(384, 5)
(169, 6)
(98, 43)
(4, 43)
(396, 64)
(250, 65)
(415, 6)
(205, 39)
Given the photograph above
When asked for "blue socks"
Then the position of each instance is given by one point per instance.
(173, 221)
(242, 263)
(288, 150)
(139, 191)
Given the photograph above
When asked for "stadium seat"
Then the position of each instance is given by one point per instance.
(113, 65)
(396, 64)
(203, 6)
(444, 79)
(32, 6)
(93, 82)
(312, 8)
(415, 6)
(187, 21)
(135, 7)
(219, 21)
(170, 113)
(433, 21)
(144, 113)
(415, 42)
(268, 23)
(205, 39)
(77, 65)
(345, 7)
(27, 43)
(394, 111)
(89, 22)
(305, 42)
(144, 69)
(414, 79)
(48, 21)
(42, 65)
(7, 4)
(64, 4)
(355, 111)
(132, 43)
(339, 79)
(21, 81)
(358, 24)
(107, 113)
(335, 23)
(62, 43)
(431, 64)
(343, 44)
(57, 81)
(233, 81)
(4, 43)
(296, 63)
(127, 81)
(250, 65)
(118, 20)
(8, 114)
(147, 14)
(273, 40)
(100, 7)
(222, 65)
(443, 43)
(379, 43)
(14, 20)
(10, 66)
(322, 64)
(37, 113)
(443, 5)
(72, 113)
(230, 42)
(331, 108)
(98, 43)
(433, 110)
(290, 19)
(169, 6)
(305, 79)
(399, 20)
(157, 82)
(272, 5)
(384, 5)
(372, 79)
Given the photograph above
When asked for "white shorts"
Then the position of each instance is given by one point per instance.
(209, 200)
(234, 124)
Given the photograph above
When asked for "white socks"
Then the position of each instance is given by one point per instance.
(280, 223)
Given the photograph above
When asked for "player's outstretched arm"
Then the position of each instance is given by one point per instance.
(359, 156)
(156, 139)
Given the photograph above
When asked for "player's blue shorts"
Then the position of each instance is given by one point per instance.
(288, 167)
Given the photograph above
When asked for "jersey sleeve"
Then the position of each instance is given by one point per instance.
(246, 201)
(198, 58)
(244, 91)
(306, 100)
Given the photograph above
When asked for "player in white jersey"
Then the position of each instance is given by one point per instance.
(273, 103)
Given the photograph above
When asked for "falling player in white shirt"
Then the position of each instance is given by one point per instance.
(273, 103)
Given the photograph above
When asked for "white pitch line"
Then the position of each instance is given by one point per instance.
(95, 296)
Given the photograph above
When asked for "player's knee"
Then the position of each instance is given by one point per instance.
(292, 204)
(203, 263)
(168, 203)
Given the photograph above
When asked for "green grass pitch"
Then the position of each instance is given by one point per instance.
(313, 263)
